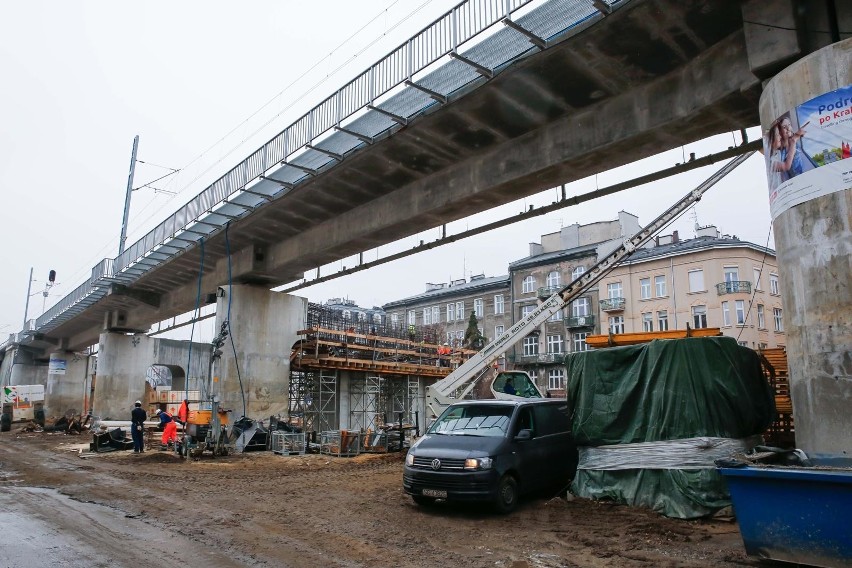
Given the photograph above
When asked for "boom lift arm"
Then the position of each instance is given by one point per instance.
(458, 384)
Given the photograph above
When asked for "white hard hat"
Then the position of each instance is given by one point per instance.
(159, 411)
(138, 403)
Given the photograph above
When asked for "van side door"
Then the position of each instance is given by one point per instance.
(532, 453)
(554, 429)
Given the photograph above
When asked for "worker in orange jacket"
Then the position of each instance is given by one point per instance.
(167, 422)
(183, 412)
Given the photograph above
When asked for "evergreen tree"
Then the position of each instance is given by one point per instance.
(473, 338)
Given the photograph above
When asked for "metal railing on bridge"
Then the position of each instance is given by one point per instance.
(384, 96)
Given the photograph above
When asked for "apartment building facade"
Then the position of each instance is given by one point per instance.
(553, 263)
(708, 281)
(446, 308)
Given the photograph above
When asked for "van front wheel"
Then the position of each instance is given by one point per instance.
(507, 495)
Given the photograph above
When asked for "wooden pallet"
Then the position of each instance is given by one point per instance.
(781, 432)
(619, 339)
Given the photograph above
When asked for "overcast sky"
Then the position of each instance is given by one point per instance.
(206, 83)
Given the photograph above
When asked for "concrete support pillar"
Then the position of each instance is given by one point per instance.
(122, 363)
(263, 326)
(814, 244)
(344, 397)
(67, 384)
(26, 370)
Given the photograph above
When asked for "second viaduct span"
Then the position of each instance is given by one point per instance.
(497, 100)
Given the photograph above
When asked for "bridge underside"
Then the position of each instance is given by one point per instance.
(654, 75)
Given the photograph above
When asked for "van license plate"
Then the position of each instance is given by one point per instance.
(437, 493)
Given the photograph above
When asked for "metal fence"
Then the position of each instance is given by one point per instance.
(369, 102)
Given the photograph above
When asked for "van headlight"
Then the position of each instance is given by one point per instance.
(477, 463)
(409, 459)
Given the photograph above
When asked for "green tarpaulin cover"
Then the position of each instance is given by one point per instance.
(665, 390)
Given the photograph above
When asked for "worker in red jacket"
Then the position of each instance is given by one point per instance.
(167, 422)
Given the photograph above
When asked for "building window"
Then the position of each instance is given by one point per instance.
(394, 320)
(530, 345)
(660, 286)
(757, 279)
(460, 336)
(459, 310)
(498, 331)
(555, 379)
(779, 320)
(577, 272)
(427, 316)
(699, 317)
(580, 307)
(647, 321)
(498, 304)
(644, 288)
(732, 274)
(773, 284)
(478, 307)
(726, 314)
(580, 341)
(616, 324)
(436, 314)
(526, 310)
(553, 279)
(739, 306)
(362, 316)
(696, 281)
(451, 311)
(528, 285)
(554, 344)
(761, 317)
(450, 336)
(556, 317)
(412, 317)
(347, 314)
(663, 320)
(614, 290)
(377, 318)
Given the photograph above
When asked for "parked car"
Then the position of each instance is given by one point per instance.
(492, 450)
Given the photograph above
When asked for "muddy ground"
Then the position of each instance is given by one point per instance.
(262, 509)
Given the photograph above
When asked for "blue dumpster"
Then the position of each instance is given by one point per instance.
(797, 515)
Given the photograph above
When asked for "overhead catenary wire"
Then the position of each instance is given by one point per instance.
(383, 13)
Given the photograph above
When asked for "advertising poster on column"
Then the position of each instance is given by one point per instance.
(807, 151)
(57, 365)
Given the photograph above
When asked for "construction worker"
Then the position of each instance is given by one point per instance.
(183, 412)
(138, 416)
(167, 422)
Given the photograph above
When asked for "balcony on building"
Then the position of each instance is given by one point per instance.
(580, 321)
(612, 304)
(547, 291)
(540, 358)
(733, 287)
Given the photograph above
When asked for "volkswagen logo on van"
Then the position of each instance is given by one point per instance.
(436, 464)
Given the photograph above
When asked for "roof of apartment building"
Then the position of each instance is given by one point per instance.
(553, 257)
(679, 247)
(453, 289)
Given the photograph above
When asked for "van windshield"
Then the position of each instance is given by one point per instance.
(478, 420)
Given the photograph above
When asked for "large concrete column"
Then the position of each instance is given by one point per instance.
(26, 370)
(67, 384)
(263, 326)
(814, 244)
(122, 363)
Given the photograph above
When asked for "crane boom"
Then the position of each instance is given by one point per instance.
(462, 380)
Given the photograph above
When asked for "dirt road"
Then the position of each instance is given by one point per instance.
(261, 509)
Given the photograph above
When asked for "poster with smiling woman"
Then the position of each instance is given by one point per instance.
(806, 150)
